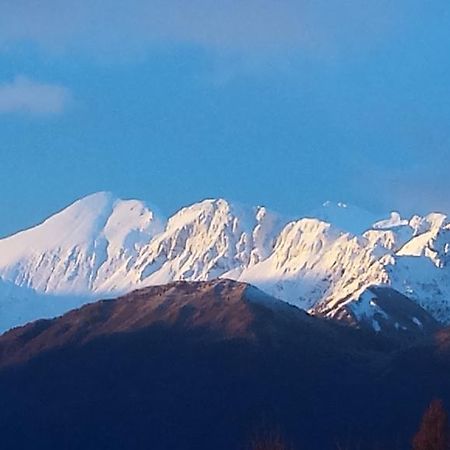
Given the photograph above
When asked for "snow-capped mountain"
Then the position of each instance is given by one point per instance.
(313, 263)
(81, 248)
(207, 240)
(102, 246)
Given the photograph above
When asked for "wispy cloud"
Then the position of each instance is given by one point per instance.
(23, 95)
(220, 25)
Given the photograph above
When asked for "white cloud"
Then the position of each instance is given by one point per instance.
(23, 95)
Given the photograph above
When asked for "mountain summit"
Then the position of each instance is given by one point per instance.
(80, 249)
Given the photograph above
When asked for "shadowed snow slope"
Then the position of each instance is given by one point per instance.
(19, 305)
(102, 246)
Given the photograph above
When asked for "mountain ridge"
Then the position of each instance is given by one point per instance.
(101, 246)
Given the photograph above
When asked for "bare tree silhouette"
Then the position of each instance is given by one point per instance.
(269, 440)
(433, 432)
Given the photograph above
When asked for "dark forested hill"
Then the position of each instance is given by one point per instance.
(204, 366)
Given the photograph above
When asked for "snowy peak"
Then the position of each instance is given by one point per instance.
(314, 262)
(78, 222)
(206, 240)
(75, 250)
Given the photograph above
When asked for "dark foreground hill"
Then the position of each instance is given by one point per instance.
(206, 365)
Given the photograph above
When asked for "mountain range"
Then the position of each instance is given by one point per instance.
(338, 262)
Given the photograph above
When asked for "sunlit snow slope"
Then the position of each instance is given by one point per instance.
(82, 249)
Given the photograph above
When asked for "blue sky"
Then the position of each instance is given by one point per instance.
(282, 103)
